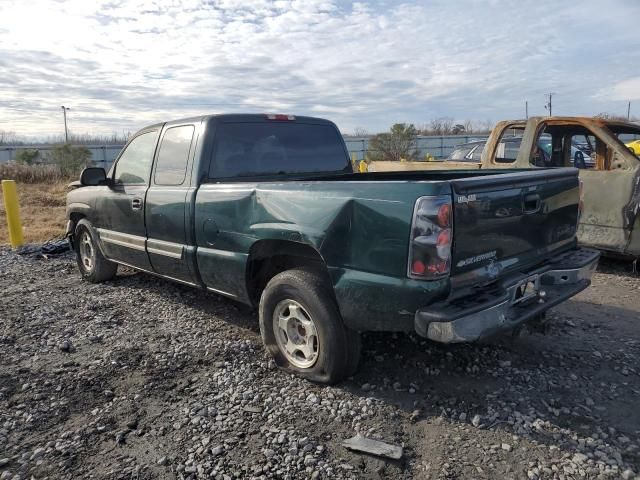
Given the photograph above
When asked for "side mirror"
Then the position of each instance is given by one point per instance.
(93, 176)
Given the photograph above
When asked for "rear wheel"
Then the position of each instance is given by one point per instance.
(93, 266)
(302, 328)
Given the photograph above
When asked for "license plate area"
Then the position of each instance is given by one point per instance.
(525, 290)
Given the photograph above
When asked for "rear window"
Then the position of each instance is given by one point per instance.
(250, 149)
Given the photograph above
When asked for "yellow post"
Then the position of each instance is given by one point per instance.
(12, 207)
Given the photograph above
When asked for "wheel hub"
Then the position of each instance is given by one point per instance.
(296, 334)
(87, 252)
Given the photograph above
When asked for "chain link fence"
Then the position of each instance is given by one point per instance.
(101, 155)
(438, 147)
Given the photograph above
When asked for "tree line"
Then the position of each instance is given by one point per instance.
(441, 126)
(10, 138)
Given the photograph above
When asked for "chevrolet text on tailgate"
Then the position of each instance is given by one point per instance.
(266, 210)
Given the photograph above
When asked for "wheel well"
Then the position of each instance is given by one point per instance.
(267, 258)
(75, 217)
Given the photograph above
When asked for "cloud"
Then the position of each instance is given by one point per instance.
(123, 64)
(626, 90)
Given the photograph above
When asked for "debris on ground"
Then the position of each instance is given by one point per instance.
(374, 447)
(50, 248)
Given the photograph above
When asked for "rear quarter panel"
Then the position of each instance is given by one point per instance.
(361, 230)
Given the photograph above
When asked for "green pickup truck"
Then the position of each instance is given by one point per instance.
(266, 210)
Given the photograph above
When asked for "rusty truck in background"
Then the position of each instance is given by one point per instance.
(609, 170)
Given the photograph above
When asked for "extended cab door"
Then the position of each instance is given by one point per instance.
(168, 213)
(120, 211)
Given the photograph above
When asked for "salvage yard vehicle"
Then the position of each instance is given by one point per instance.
(609, 171)
(266, 210)
(634, 146)
(610, 219)
(472, 151)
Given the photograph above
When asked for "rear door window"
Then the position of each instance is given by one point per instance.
(255, 148)
(174, 155)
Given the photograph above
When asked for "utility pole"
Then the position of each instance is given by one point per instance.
(66, 132)
(526, 110)
(548, 105)
(628, 111)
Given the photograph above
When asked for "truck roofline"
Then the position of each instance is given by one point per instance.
(577, 119)
(235, 117)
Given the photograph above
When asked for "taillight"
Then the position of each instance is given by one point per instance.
(280, 117)
(431, 237)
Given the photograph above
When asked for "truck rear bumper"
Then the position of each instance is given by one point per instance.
(511, 302)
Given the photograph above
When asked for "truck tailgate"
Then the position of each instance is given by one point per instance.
(503, 222)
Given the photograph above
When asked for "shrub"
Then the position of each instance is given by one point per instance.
(399, 144)
(71, 159)
(27, 157)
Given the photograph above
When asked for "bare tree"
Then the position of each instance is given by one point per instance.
(468, 126)
(447, 126)
(435, 126)
(485, 126)
(610, 116)
(360, 132)
(8, 138)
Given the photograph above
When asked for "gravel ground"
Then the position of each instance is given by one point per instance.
(140, 378)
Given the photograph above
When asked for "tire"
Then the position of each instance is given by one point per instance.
(302, 328)
(91, 263)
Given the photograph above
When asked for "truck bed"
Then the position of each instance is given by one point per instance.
(426, 175)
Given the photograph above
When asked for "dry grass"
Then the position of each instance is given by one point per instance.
(42, 211)
(32, 173)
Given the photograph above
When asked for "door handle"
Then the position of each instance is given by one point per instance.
(531, 203)
(136, 203)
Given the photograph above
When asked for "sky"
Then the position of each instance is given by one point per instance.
(121, 65)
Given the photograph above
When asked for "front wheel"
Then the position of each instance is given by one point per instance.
(93, 266)
(302, 328)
